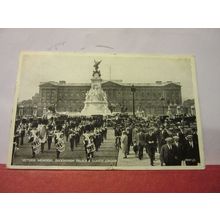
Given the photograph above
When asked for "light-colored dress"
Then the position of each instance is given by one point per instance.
(124, 143)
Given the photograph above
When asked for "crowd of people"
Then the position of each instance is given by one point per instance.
(174, 139)
(41, 132)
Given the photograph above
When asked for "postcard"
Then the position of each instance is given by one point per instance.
(106, 111)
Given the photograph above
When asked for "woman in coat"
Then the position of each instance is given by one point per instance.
(124, 144)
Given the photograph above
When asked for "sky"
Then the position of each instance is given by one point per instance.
(77, 68)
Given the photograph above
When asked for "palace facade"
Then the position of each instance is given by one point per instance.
(150, 98)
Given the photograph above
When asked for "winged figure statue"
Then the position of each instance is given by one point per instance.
(96, 65)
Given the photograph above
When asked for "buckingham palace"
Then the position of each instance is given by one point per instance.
(150, 98)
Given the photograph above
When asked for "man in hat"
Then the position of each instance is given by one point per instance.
(117, 136)
(151, 141)
(192, 157)
(135, 133)
(165, 133)
(180, 153)
(181, 135)
(168, 153)
(141, 142)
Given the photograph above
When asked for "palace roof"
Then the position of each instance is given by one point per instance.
(116, 82)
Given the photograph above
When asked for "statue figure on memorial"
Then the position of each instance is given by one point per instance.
(96, 100)
(96, 66)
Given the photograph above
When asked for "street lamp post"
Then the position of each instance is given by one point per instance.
(133, 90)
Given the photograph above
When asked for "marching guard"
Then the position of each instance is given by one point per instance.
(60, 144)
(97, 139)
(72, 138)
(90, 149)
(77, 136)
(35, 141)
(42, 134)
(86, 140)
(50, 136)
(21, 130)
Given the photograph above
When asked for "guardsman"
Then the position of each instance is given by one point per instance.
(66, 130)
(72, 137)
(102, 130)
(15, 143)
(86, 140)
(60, 144)
(34, 139)
(21, 129)
(50, 135)
(96, 139)
(77, 136)
(42, 133)
(90, 148)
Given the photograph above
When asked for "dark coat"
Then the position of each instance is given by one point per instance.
(182, 139)
(129, 134)
(168, 156)
(151, 140)
(180, 153)
(192, 152)
(164, 134)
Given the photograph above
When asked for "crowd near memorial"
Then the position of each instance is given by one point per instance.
(175, 139)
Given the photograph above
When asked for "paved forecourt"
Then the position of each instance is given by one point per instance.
(133, 161)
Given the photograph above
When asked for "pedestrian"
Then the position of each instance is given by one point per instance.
(118, 134)
(141, 141)
(151, 145)
(129, 134)
(192, 157)
(168, 153)
(124, 144)
(180, 152)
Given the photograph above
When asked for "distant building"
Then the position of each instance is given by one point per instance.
(29, 107)
(25, 107)
(152, 98)
(188, 105)
(36, 99)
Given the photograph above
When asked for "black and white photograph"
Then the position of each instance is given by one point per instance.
(106, 111)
